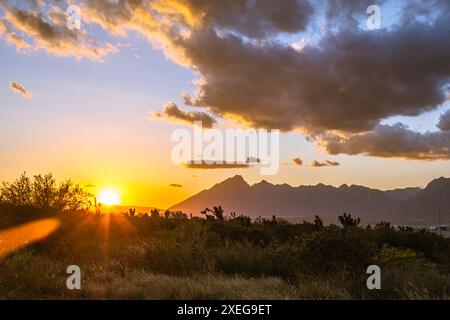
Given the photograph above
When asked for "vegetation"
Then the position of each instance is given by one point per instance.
(43, 193)
(173, 256)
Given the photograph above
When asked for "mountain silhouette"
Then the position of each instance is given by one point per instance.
(266, 199)
(427, 204)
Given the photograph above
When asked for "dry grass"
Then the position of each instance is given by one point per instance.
(143, 285)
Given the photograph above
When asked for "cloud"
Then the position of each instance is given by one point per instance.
(256, 19)
(20, 89)
(342, 84)
(444, 121)
(173, 112)
(50, 33)
(326, 163)
(13, 38)
(396, 141)
(350, 82)
(216, 165)
(297, 161)
(175, 185)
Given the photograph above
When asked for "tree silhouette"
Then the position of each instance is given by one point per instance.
(348, 222)
(383, 225)
(218, 213)
(154, 213)
(44, 193)
(242, 220)
(318, 223)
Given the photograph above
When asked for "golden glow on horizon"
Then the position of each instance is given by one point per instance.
(109, 197)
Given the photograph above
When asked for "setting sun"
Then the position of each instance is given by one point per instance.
(109, 197)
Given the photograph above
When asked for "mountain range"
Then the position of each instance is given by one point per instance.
(409, 205)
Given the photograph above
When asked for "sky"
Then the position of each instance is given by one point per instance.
(93, 104)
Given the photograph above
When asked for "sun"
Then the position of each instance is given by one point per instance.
(109, 197)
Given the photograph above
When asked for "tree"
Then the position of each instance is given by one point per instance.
(318, 223)
(218, 213)
(18, 193)
(348, 222)
(43, 193)
(383, 225)
(243, 220)
(154, 213)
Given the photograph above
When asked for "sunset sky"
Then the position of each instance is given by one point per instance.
(82, 104)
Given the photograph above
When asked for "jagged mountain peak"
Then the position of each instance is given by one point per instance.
(262, 183)
(235, 180)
